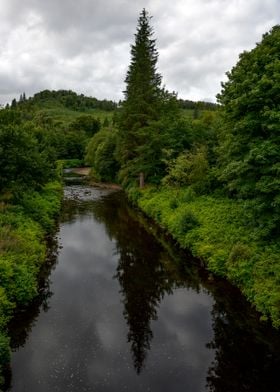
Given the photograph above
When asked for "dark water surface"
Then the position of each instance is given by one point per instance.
(122, 311)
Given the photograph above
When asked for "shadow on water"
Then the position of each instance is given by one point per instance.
(244, 353)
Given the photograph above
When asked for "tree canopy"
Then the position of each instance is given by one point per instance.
(249, 154)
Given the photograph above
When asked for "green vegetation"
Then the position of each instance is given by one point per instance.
(211, 171)
(62, 119)
(100, 155)
(248, 151)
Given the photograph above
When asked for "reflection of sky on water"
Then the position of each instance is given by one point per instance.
(81, 343)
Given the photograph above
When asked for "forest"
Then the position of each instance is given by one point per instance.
(209, 172)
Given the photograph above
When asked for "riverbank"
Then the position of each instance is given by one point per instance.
(23, 230)
(219, 231)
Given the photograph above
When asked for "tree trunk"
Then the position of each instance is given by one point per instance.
(141, 180)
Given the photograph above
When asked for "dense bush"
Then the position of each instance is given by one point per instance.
(22, 163)
(85, 123)
(189, 168)
(101, 155)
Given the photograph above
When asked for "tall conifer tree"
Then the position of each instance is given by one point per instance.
(142, 104)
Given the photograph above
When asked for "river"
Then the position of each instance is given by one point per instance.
(122, 309)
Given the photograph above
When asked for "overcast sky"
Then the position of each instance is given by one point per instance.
(84, 45)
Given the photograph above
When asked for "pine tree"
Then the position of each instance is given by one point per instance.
(14, 103)
(142, 104)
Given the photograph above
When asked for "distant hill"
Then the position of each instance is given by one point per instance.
(67, 99)
(63, 106)
(200, 105)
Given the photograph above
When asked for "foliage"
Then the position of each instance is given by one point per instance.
(41, 207)
(86, 123)
(61, 121)
(189, 168)
(22, 164)
(248, 151)
(100, 154)
(200, 105)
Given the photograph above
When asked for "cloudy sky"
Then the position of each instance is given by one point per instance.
(84, 45)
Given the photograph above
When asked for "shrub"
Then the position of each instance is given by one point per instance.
(187, 222)
(189, 168)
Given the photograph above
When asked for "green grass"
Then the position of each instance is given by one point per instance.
(220, 231)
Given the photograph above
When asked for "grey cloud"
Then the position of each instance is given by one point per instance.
(85, 45)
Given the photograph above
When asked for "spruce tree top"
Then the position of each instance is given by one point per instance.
(142, 80)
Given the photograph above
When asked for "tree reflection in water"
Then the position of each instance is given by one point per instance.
(146, 271)
(145, 274)
(143, 284)
(246, 351)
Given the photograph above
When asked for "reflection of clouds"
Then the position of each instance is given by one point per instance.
(185, 317)
(86, 245)
(81, 342)
(178, 348)
(185, 301)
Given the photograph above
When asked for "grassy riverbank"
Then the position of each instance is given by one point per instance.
(221, 232)
(23, 229)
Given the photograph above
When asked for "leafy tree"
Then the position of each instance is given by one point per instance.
(22, 164)
(100, 154)
(249, 152)
(87, 123)
(189, 168)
